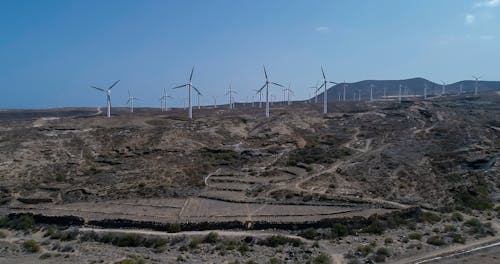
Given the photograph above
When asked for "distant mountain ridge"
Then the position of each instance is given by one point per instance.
(413, 86)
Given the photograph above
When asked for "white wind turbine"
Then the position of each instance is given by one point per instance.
(325, 92)
(130, 101)
(189, 85)
(288, 91)
(371, 92)
(477, 78)
(266, 85)
(443, 88)
(315, 92)
(345, 85)
(108, 95)
(215, 101)
(425, 90)
(164, 99)
(260, 97)
(400, 86)
(231, 98)
(199, 95)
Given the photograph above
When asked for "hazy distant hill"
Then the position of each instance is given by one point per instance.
(414, 86)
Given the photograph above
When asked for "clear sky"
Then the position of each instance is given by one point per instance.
(51, 51)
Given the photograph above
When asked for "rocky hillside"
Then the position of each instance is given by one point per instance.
(440, 154)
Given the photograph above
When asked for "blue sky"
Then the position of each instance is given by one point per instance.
(51, 51)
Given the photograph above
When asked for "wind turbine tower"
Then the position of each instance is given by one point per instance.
(108, 96)
(400, 86)
(443, 88)
(189, 85)
(371, 92)
(199, 95)
(425, 90)
(260, 97)
(325, 91)
(130, 101)
(266, 85)
(315, 92)
(215, 101)
(345, 85)
(288, 91)
(164, 99)
(231, 98)
(477, 78)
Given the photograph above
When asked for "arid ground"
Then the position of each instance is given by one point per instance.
(371, 181)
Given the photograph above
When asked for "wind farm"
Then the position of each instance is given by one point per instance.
(304, 133)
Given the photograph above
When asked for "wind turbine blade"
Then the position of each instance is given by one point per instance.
(180, 86)
(102, 90)
(113, 85)
(196, 89)
(128, 93)
(261, 88)
(170, 97)
(265, 73)
(323, 84)
(191, 76)
(277, 84)
(334, 82)
(323, 72)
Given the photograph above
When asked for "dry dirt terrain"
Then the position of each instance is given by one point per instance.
(370, 181)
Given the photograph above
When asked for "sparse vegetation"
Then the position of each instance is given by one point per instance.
(381, 255)
(275, 241)
(457, 217)
(211, 238)
(195, 243)
(457, 238)
(309, 233)
(321, 259)
(436, 241)
(18, 222)
(449, 228)
(375, 227)
(274, 260)
(135, 260)
(364, 250)
(415, 236)
(428, 217)
(475, 226)
(339, 230)
(317, 153)
(31, 246)
(477, 197)
(221, 156)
